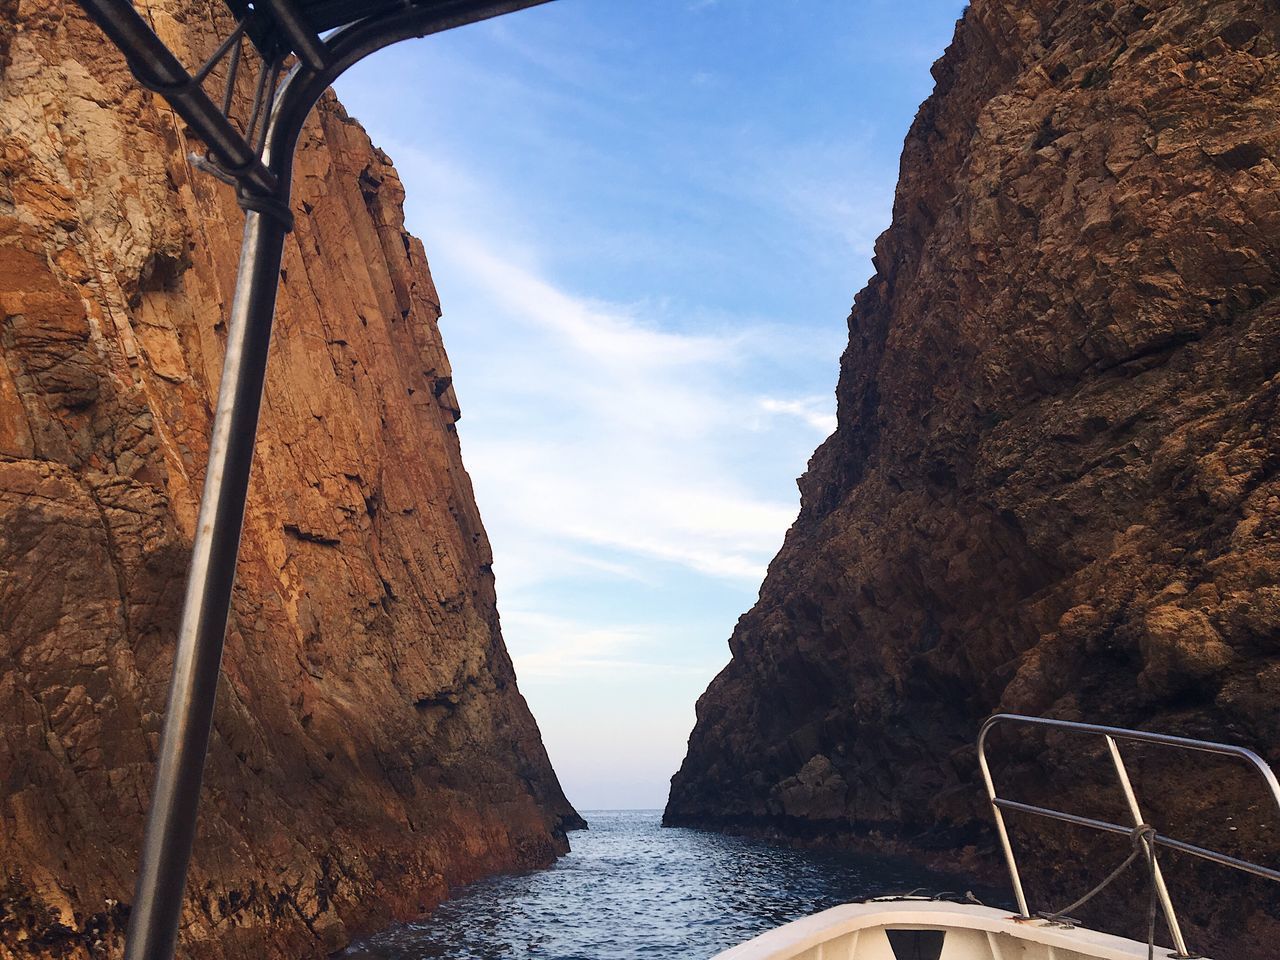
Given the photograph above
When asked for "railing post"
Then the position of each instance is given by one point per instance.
(1112, 735)
(1001, 829)
(193, 687)
(1157, 876)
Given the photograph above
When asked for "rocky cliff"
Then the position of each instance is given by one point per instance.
(370, 746)
(1053, 489)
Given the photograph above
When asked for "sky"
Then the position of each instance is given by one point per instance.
(646, 220)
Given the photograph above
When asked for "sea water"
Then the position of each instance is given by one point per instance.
(631, 889)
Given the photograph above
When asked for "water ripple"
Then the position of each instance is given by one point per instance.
(631, 889)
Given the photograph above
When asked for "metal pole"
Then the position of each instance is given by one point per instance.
(1010, 860)
(157, 904)
(158, 69)
(1157, 877)
(171, 821)
(311, 49)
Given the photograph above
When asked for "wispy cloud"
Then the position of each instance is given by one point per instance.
(556, 648)
(633, 453)
(814, 411)
(607, 435)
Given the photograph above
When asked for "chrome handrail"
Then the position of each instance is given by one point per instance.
(1111, 735)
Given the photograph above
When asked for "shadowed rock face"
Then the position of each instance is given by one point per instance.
(370, 746)
(1053, 488)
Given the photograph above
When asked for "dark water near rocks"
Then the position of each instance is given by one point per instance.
(631, 889)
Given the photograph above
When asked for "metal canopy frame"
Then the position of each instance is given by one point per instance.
(256, 157)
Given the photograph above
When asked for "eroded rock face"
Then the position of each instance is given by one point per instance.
(370, 747)
(1053, 489)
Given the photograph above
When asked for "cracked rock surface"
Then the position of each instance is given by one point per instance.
(370, 747)
(1054, 485)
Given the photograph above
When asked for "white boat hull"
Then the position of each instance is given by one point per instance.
(951, 931)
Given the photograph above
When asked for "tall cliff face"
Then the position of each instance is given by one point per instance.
(370, 745)
(1053, 489)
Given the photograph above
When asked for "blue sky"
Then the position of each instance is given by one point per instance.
(647, 220)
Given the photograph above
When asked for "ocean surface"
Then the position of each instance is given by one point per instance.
(631, 889)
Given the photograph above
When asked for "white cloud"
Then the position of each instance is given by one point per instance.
(606, 333)
(554, 648)
(815, 411)
(586, 427)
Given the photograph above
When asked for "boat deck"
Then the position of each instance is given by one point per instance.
(933, 930)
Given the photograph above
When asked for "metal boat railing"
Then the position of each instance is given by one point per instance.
(1111, 735)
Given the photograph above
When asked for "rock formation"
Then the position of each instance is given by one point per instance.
(370, 746)
(1053, 488)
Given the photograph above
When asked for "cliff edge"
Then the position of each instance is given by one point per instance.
(1053, 488)
(370, 746)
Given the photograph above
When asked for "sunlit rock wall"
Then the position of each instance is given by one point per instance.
(370, 746)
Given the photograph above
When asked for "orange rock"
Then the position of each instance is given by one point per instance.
(370, 746)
